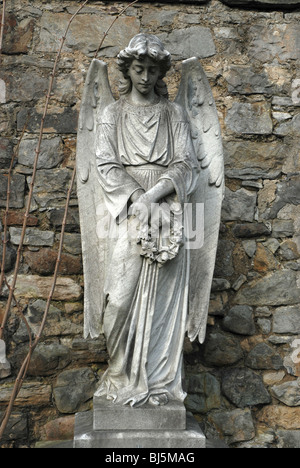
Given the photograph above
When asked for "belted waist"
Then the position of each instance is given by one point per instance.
(144, 167)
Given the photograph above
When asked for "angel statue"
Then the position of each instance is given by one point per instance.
(142, 161)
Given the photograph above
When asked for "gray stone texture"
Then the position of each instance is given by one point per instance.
(244, 388)
(204, 393)
(237, 425)
(262, 356)
(33, 236)
(49, 157)
(287, 320)
(240, 320)
(196, 41)
(17, 191)
(275, 289)
(50, 188)
(221, 349)
(73, 389)
(251, 119)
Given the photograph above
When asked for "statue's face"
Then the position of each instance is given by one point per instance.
(144, 75)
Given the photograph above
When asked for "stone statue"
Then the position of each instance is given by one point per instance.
(144, 165)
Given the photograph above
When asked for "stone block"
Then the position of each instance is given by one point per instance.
(2, 91)
(51, 188)
(249, 119)
(10, 257)
(252, 160)
(6, 151)
(56, 325)
(73, 390)
(62, 121)
(237, 424)
(288, 392)
(86, 437)
(274, 289)
(17, 191)
(86, 32)
(16, 218)
(49, 157)
(196, 41)
(43, 263)
(244, 388)
(56, 219)
(262, 356)
(280, 416)
(33, 286)
(245, 80)
(17, 34)
(111, 417)
(287, 320)
(251, 230)
(32, 393)
(221, 349)
(289, 439)
(33, 236)
(274, 42)
(204, 393)
(240, 320)
(21, 89)
(17, 427)
(239, 205)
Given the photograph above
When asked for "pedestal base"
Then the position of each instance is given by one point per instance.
(86, 437)
(111, 417)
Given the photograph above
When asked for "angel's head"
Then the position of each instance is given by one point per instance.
(148, 50)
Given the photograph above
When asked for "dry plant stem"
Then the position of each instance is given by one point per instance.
(107, 31)
(14, 156)
(37, 151)
(2, 27)
(26, 362)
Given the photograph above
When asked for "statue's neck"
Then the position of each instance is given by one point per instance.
(137, 99)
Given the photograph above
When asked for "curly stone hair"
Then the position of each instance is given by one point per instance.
(141, 46)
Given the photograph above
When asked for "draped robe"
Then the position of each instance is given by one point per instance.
(146, 303)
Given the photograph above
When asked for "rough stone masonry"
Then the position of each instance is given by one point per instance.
(243, 383)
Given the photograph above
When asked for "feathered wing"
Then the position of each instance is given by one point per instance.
(96, 96)
(195, 96)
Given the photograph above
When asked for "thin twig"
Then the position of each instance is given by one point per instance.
(24, 367)
(5, 240)
(2, 27)
(37, 152)
(107, 31)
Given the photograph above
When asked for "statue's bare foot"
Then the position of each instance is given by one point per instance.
(159, 400)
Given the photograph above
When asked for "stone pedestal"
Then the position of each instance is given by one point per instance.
(118, 427)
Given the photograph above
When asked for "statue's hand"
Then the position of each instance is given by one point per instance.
(136, 195)
(141, 208)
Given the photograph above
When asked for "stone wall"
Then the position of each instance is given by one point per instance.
(243, 383)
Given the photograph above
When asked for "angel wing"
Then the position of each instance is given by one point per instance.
(96, 96)
(195, 96)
